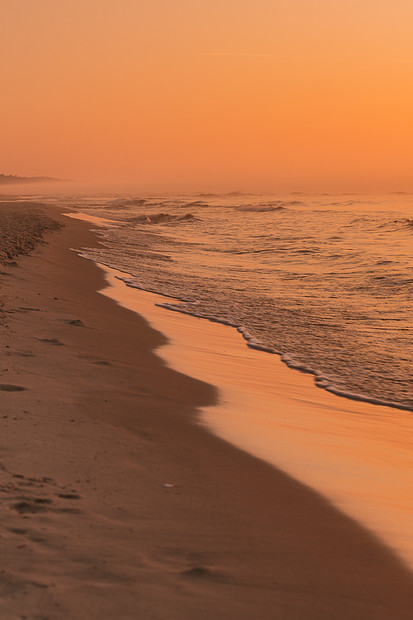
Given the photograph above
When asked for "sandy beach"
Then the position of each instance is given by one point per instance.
(115, 503)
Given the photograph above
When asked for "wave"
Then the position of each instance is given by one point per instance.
(162, 218)
(195, 203)
(347, 203)
(264, 207)
(404, 221)
(128, 202)
(260, 208)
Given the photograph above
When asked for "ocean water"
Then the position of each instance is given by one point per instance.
(324, 281)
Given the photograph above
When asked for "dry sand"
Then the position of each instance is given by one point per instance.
(114, 504)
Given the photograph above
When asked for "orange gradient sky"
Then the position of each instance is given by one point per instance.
(283, 95)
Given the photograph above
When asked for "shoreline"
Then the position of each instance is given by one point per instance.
(100, 429)
(319, 377)
(356, 454)
(320, 381)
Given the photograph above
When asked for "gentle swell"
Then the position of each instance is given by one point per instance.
(161, 218)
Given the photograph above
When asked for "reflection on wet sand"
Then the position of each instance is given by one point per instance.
(356, 454)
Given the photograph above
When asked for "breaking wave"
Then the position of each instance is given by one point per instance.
(162, 218)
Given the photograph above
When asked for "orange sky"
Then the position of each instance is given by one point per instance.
(283, 95)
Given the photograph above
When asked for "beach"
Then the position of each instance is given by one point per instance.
(116, 502)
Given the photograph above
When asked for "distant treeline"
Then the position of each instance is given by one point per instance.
(8, 179)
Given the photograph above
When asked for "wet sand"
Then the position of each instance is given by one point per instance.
(115, 504)
(356, 454)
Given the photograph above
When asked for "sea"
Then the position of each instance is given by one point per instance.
(324, 281)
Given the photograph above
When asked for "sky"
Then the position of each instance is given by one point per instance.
(207, 95)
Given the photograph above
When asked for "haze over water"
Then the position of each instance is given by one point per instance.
(324, 280)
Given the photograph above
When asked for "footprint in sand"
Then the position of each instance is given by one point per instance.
(76, 322)
(28, 506)
(199, 572)
(7, 387)
(95, 360)
(51, 341)
(17, 530)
